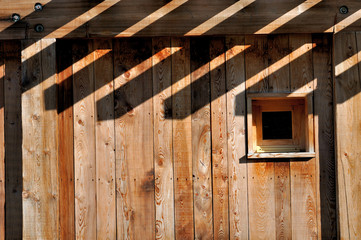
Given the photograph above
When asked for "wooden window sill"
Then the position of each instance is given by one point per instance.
(282, 155)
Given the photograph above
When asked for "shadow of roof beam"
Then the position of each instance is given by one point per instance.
(73, 24)
(215, 63)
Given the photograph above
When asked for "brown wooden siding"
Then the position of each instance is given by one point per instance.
(149, 140)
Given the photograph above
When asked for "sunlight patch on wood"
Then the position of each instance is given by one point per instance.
(214, 63)
(285, 18)
(279, 64)
(144, 66)
(148, 20)
(74, 24)
(346, 22)
(2, 71)
(347, 64)
(220, 17)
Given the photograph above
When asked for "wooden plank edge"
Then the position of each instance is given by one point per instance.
(281, 155)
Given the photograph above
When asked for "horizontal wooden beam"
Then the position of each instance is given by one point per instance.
(125, 18)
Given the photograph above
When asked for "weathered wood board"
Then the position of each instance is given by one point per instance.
(323, 96)
(40, 168)
(236, 135)
(182, 140)
(348, 128)
(134, 138)
(112, 18)
(13, 141)
(105, 140)
(84, 140)
(65, 139)
(201, 138)
(145, 138)
(2, 145)
(163, 138)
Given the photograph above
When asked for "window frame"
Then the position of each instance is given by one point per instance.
(300, 104)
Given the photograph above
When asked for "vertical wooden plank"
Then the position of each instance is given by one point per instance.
(257, 77)
(219, 138)
(278, 62)
(348, 137)
(324, 136)
(301, 65)
(201, 138)
(13, 141)
(2, 144)
(65, 139)
(163, 144)
(261, 195)
(236, 129)
(122, 175)
(356, 188)
(40, 168)
(182, 140)
(279, 81)
(283, 200)
(134, 138)
(104, 140)
(50, 144)
(32, 129)
(84, 140)
(303, 173)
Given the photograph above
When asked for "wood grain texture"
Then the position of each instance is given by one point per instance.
(242, 17)
(279, 81)
(104, 140)
(65, 139)
(134, 138)
(182, 140)
(2, 144)
(282, 200)
(50, 144)
(324, 135)
(163, 139)
(301, 64)
(13, 141)
(278, 62)
(219, 138)
(201, 138)
(347, 130)
(261, 194)
(40, 168)
(236, 132)
(303, 173)
(256, 64)
(282, 155)
(84, 140)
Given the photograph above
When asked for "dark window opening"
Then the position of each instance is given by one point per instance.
(277, 125)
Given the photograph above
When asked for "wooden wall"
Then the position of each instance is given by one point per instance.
(145, 138)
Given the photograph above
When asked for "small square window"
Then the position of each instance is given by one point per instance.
(279, 123)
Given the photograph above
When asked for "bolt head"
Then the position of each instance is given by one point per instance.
(39, 28)
(15, 17)
(38, 7)
(343, 9)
